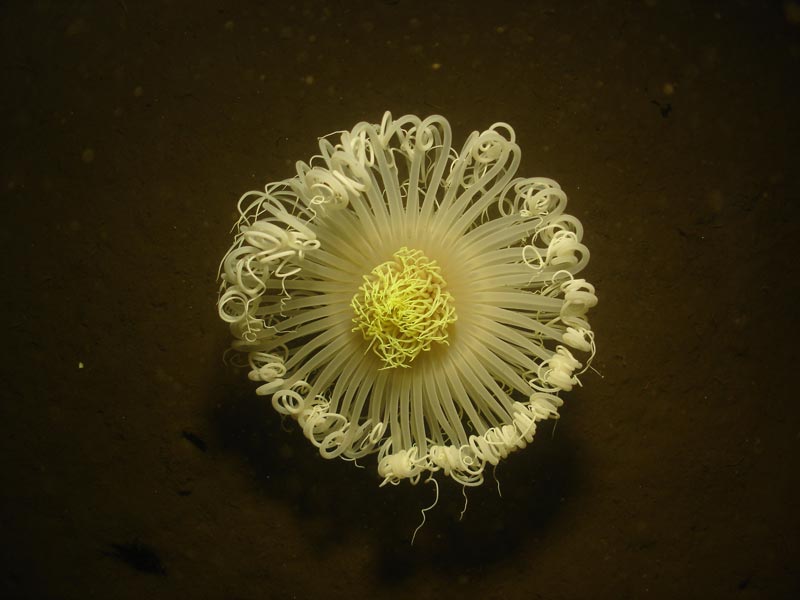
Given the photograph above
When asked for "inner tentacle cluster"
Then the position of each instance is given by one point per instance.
(403, 307)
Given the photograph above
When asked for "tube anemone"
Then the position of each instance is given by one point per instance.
(400, 297)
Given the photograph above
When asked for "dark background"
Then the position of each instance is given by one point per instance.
(130, 129)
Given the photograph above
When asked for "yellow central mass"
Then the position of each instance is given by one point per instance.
(402, 307)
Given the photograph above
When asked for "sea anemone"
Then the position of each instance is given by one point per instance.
(401, 297)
